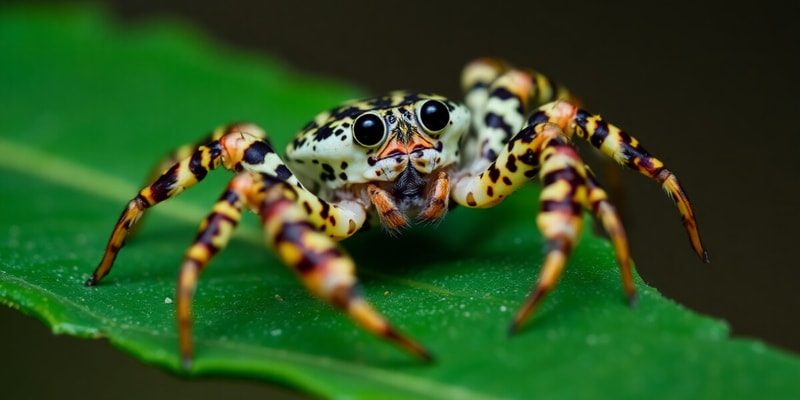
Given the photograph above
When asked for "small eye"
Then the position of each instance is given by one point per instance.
(369, 130)
(433, 115)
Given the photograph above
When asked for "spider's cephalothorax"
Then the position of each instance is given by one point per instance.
(400, 157)
(389, 149)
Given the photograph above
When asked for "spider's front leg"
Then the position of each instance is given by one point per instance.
(320, 263)
(300, 227)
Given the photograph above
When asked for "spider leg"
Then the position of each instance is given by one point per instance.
(323, 267)
(236, 147)
(214, 234)
(498, 95)
(187, 150)
(301, 228)
(172, 181)
(564, 194)
(568, 188)
(597, 202)
(624, 149)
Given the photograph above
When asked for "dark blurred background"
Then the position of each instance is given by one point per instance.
(712, 90)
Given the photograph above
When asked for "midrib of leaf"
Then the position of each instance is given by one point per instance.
(50, 168)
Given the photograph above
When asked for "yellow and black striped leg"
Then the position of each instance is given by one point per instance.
(626, 150)
(223, 149)
(214, 234)
(186, 151)
(597, 201)
(498, 96)
(320, 263)
(172, 182)
(564, 193)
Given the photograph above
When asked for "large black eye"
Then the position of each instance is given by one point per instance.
(434, 115)
(369, 130)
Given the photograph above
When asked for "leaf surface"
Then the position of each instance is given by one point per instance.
(88, 108)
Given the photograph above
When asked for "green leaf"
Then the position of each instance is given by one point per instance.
(87, 109)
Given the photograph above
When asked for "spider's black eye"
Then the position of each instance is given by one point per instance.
(434, 115)
(369, 130)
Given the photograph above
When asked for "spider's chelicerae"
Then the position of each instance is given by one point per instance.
(400, 157)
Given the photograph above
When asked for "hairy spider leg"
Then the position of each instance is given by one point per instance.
(321, 265)
(626, 150)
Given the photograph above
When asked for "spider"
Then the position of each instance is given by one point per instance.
(396, 158)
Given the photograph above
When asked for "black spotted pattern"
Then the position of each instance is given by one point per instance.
(257, 152)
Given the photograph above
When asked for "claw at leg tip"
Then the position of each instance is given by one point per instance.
(516, 325)
(186, 363)
(513, 329)
(633, 300)
(705, 257)
(425, 356)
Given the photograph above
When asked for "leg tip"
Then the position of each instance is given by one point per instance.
(186, 363)
(705, 257)
(426, 356)
(513, 329)
(91, 281)
(633, 300)
(409, 345)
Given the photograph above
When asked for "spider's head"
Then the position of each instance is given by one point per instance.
(380, 140)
